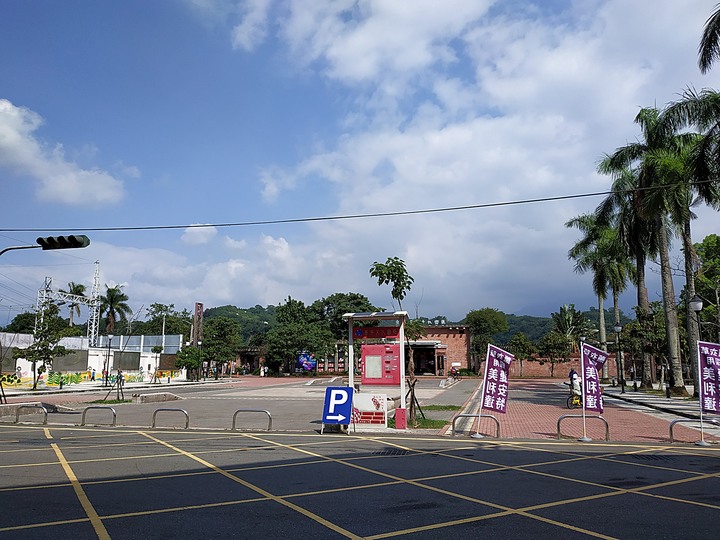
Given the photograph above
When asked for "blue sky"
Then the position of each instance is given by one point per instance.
(136, 113)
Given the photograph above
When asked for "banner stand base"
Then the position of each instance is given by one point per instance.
(584, 439)
(477, 436)
(702, 443)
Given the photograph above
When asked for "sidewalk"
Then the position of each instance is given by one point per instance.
(680, 406)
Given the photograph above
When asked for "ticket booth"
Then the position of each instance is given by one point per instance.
(381, 364)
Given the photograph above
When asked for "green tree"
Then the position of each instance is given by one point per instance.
(393, 272)
(113, 304)
(190, 358)
(165, 319)
(76, 289)
(44, 348)
(709, 50)
(22, 323)
(572, 324)
(708, 283)
(556, 348)
(523, 349)
(221, 341)
(331, 309)
(484, 323)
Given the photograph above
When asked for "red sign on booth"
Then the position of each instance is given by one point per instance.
(376, 332)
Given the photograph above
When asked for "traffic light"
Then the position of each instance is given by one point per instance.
(63, 242)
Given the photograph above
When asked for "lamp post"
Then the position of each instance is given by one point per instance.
(696, 305)
(621, 369)
(106, 370)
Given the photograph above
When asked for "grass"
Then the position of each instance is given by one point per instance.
(441, 407)
(423, 423)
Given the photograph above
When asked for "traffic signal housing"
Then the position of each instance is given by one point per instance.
(63, 242)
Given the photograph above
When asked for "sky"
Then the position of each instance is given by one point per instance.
(250, 116)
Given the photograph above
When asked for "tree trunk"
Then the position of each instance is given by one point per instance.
(411, 374)
(34, 364)
(603, 335)
(693, 330)
(671, 318)
(644, 312)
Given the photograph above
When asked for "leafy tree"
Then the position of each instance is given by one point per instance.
(394, 273)
(556, 348)
(572, 324)
(114, 305)
(76, 289)
(45, 347)
(22, 323)
(292, 311)
(484, 323)
(164, 318)
(286, 341)
(221, 341)
(190, 358)
(522, 348)
(708, 281)
(330, 310)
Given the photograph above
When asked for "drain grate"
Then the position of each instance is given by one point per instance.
(390, 452)
(651, 457)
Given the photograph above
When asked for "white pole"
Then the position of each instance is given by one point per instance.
(477, 434)
(350, 358)
(584, 438)
(401, 337)
(702, 441)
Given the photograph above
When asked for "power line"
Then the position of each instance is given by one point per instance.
(347, 216)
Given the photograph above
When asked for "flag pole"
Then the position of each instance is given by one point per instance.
(477, 434)
(702, 441)
(584, 437)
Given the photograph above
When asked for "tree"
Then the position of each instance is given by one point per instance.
(484, 323)
(114, 305)
(657, 141)
(44, 348)
(22, 323)
(572, 324)
(523, 349)
(190, 358)
(394, 273)
(708, 282)
(414, 330)
(556, 348)
(76, 289)
(164, 319)
(221, 341)
(709, 49)
(330, 310)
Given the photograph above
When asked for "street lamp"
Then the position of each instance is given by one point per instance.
(696, 305)
(621, 369)
(106, 370)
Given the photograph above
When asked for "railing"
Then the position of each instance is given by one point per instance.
(31, 406)
(607, 427)
(252, 411)
(690, 420)
(478, 416)
(99, 407)
(187, 416)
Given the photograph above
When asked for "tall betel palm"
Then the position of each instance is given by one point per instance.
(113, 304)
(657, 140)
(709, 49)
(75, 289)
(601, 252)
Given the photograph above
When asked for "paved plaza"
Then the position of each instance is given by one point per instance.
(132, 481)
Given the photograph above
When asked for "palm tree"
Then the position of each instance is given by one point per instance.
(601, 252)
(658, 140)
(114, 305)
(709, 49)
(76, 289)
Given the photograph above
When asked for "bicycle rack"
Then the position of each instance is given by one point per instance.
(98, 407)
(478, 416)
(187, 416)
(31, 406)
(607, 426)
(269, 428)
(689, 420)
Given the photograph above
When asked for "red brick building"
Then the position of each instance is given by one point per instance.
(440, 348)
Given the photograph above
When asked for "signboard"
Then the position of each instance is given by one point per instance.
(370, 411)
(495, 386)
(592, 360)
(338, 405)
(709, 360)
(305, 362)
(376, 332)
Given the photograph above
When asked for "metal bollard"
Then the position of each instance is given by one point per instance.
(667, 390)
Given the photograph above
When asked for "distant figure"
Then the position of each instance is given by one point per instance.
(262, 371)
(120, 378)
(572, 372)
(92, 375)
(575, 385)
(266, 370)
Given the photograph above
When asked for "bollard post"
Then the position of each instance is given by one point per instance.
(667, 389)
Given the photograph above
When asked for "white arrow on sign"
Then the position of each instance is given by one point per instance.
(338, 417)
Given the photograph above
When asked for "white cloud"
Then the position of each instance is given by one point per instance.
(198, 235)
(58, 179)
(252, 28)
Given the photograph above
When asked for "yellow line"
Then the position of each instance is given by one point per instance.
(82, 497)
(47, 433)
(257, 489)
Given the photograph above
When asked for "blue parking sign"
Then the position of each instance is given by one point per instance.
(338, 405)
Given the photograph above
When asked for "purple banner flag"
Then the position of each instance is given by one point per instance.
(495, 387)
(709, 358)
(592, 361)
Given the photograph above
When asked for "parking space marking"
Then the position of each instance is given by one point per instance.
(257, 489)
(95, 520)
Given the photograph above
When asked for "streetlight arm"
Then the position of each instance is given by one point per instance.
(18, 247)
